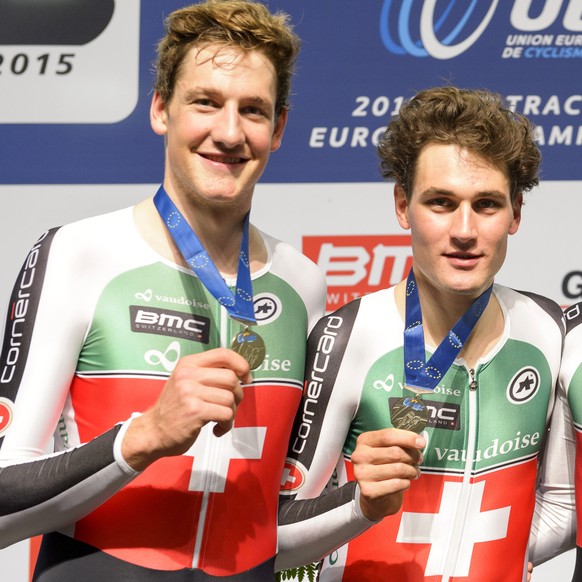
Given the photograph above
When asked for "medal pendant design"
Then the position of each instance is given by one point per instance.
(250, 345)
(409, 413)
(418, 391)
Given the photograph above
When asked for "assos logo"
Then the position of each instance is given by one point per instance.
(445, 29)
(523, 386)
(357, 265)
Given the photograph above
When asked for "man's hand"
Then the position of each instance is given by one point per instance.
(205, 387)
(385, 462)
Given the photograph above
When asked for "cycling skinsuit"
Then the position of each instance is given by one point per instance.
(559, 506)
(468, 516)
(96, 323)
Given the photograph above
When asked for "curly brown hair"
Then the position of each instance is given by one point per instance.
(475, 119)
(244, 24)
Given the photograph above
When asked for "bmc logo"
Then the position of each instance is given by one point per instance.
(170, 323)
(357, 265)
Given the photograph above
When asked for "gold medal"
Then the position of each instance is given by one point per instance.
(409, 413)
(250, 345)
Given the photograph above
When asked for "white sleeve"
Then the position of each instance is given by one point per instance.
(554, 523)
(315, 519)
(45, 486)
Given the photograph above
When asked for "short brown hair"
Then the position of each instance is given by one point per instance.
(477, 120)
(244, 24)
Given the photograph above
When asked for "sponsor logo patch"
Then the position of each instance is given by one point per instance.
(293, 477)
(268, 307)
(171, 323)
(523, 386)
(445, 415)
(5, 414)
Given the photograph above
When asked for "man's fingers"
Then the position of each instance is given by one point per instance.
(388, 446)
(221, 358)
(389, 437)
(191, 373)
(385, 462)
(386, 472)
(364, 454)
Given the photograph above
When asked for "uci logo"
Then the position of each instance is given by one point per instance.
(447, 31)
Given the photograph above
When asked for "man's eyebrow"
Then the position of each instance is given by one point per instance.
(198, 91)
(436, 191)
(208, 92)
(433, 191)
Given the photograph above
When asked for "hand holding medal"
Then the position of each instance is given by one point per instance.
(385, 462)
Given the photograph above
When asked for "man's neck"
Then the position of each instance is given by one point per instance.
(219, 233)
(439, 316)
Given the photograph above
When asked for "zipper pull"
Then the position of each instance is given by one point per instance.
(473, 382)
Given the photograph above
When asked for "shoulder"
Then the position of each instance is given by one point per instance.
(527, 301)
(300, 272)
(91, 245)
(573, 316)
(284, 255)
(102, 226)
(114, 230)
(368, 314)
(573, 345)
(528, 307)
(73, 238)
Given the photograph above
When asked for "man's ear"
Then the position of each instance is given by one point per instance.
(516, 214)
(278, 131)
(158, 114)
(401, 206)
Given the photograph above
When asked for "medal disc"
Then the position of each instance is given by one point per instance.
(409, 414)
(250, 345)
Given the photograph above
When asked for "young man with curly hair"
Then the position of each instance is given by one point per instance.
(426, 404)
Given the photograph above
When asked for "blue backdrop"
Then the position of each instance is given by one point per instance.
(359, 60)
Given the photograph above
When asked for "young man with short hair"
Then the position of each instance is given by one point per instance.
(138, 342)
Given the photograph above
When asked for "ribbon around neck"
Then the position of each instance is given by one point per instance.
(423, 374)
(239, 304)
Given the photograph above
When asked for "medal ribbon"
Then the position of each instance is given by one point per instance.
(418, 372)
(238, 304)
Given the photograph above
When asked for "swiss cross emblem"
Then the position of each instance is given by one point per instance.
(293, 477)
(212, 455)
(436, 529)
(5, 414)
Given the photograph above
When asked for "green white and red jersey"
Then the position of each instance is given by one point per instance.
(468, 516)
(96, 323)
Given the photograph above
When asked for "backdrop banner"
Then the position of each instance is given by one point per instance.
(75, 90)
